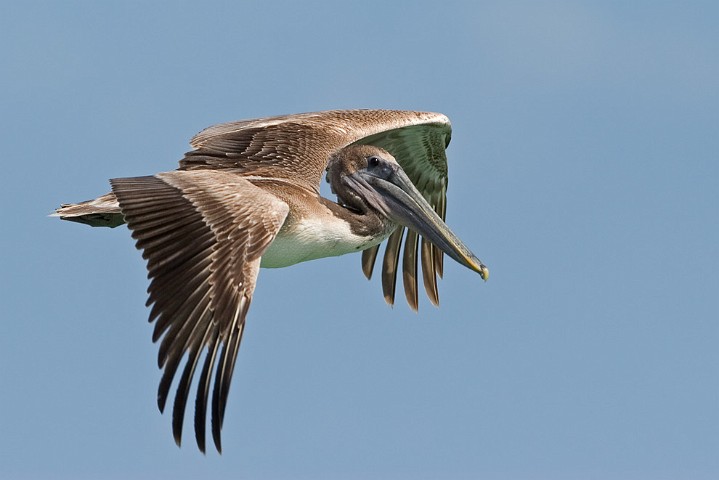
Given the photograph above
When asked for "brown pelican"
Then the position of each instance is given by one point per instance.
(248, 196)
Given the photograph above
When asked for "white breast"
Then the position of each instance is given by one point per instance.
(313, 238)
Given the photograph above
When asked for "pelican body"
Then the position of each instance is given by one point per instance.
(248, 196)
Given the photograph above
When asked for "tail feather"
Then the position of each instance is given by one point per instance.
(104, 211)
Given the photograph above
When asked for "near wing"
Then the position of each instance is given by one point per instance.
(299, 146)
(202, 234)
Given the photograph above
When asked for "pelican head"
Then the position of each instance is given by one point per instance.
(368, 180)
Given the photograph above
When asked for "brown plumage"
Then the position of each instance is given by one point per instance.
(248, 195)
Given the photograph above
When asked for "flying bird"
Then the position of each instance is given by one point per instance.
(248, 196)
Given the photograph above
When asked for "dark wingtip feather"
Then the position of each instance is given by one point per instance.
(178, 414)
(368, 259)
(203, 390)
(441, 210)
(183, 389)
(409, 270)
(223, 374)
(216, 419)
(163, 390)
(389, 265)
(429, 276)
(439, 262)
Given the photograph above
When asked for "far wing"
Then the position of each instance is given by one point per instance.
(420, 150)
(202, 234)
(299, 146)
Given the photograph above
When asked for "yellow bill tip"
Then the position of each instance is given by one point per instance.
(484, 273)
(475, 264)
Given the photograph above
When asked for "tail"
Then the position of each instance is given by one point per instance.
(104, 211)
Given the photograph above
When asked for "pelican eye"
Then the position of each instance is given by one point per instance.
(373, 162)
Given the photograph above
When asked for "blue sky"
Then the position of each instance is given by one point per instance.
(583, 172)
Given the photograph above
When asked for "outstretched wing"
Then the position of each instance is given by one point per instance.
(420, 150)
(202, 234)
(299, 146)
